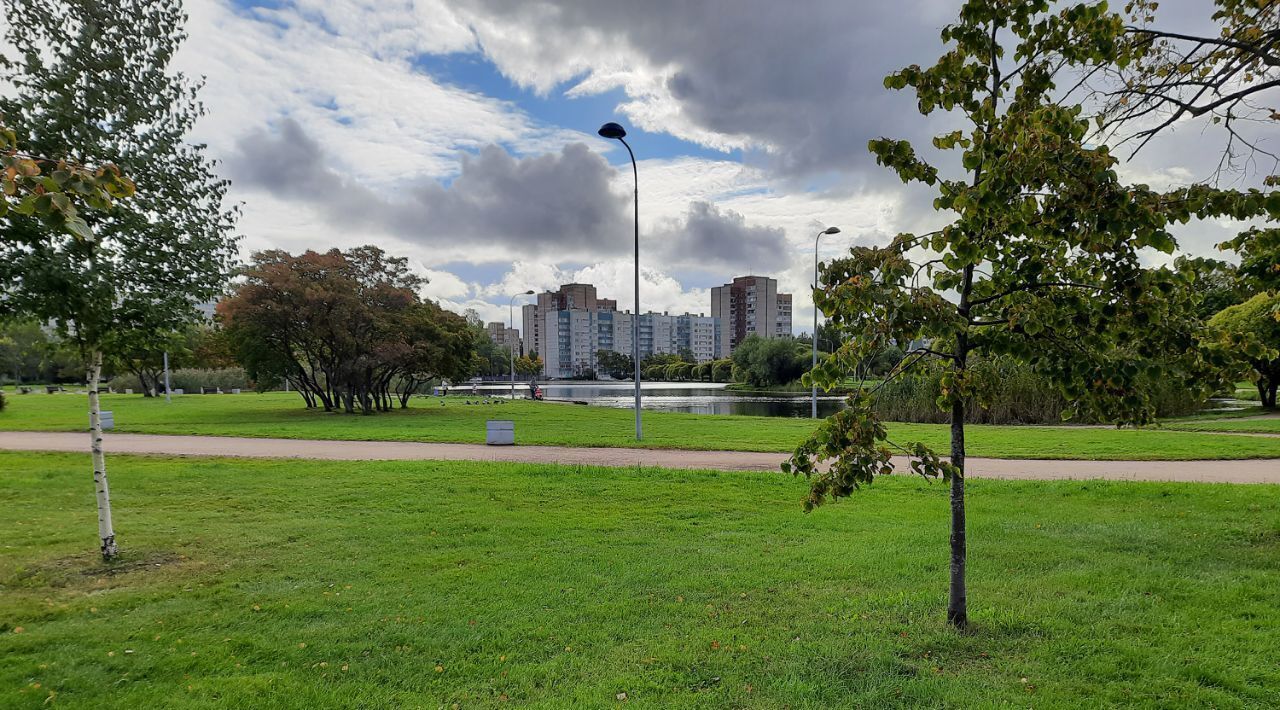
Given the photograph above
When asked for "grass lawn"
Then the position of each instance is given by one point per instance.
(282, 415)
(251, 583)
(1268, 425)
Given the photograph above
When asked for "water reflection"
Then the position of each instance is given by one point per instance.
(691, 397)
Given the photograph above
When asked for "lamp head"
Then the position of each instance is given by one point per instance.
(612, 130)
(831, 230)
(529, 292)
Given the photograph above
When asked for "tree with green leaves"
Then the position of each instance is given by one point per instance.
(1249, 333)
(1040, 261)
(765, 362)
(1227, 80)
(91, 84)
(617, 365)
(528, 365)
(347, 329)
(23, 348)
(143, 353)
(1170, 74)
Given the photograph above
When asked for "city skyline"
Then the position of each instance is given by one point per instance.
(567, 327)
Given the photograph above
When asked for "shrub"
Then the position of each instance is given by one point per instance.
(1020, 396)
(765, 362)
(191, 380)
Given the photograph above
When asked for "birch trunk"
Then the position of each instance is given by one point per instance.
(105, 531)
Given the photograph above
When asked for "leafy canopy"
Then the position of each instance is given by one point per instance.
(1041, 261)
(92, 84)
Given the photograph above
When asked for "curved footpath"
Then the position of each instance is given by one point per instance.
(1245, 471)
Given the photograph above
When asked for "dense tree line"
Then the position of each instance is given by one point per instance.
(347, 329)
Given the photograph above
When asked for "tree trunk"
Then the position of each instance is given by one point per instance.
(958, 604)
(1267, 386)
(105, 531)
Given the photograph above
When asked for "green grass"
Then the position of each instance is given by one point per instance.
(1270, 425)
(282, 415)
(251, 583)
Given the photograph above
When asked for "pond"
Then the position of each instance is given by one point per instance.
(691, 397)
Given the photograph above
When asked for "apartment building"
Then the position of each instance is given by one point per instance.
(504, 337)
(566, 298)
(749, 305)
(579, 336)
(569, 326)
(697, 335)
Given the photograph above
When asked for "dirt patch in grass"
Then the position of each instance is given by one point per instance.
(89, 569)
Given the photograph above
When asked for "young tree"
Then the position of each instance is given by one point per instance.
(1041, 262)
(1250, 333)
(91, 84)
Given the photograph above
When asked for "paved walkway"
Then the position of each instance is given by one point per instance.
(1248, 471)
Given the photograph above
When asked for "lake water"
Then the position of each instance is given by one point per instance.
(692, 397)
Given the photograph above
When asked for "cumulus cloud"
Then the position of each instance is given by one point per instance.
(557, 204)
(709, 237)
(804, 86)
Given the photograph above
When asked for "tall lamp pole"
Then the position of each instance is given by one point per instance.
(511, 325)
(814, 394)
(167, 397)
(616, 132)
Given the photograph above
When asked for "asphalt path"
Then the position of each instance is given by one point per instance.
(1240, 471)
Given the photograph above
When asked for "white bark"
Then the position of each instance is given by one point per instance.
(105, 531)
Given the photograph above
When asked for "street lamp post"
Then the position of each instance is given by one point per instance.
(616, 132)
(511, 348)
(814, 393)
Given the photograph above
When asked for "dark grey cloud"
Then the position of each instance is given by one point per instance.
(805, 78)
(555, 204)
(708, 237)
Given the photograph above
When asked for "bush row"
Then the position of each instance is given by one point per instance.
(1020, 397)
(191, 380)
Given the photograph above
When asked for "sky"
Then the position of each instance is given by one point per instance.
(461, 134)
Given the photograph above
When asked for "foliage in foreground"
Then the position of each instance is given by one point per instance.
(1042, 262)
(93, 82)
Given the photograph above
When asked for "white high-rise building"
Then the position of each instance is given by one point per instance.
(575, 337)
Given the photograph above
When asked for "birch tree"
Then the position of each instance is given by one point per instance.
(91, 84)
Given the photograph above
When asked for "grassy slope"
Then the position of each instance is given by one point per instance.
(282, 415)
(327, 584)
